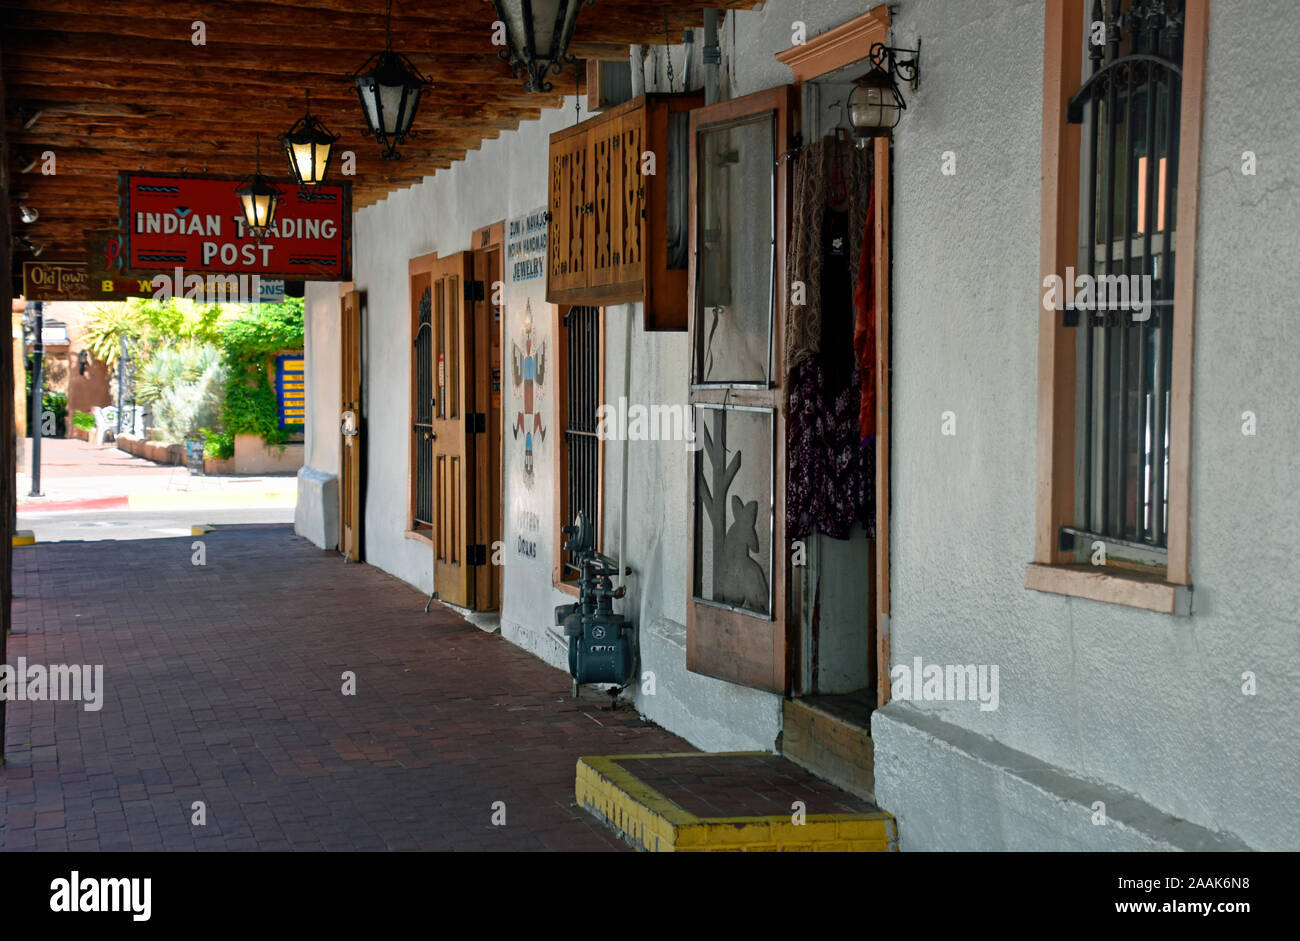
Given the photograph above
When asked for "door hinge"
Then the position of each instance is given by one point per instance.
(476, 554)
(473, 291)
(475, 423)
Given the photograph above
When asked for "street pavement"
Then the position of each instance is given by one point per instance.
(92, 492)
(99, 525)
(224, 687)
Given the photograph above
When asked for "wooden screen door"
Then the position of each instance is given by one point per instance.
(350, 426)
(737, 627)
(452, 482)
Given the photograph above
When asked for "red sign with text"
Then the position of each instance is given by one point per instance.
(196, 223)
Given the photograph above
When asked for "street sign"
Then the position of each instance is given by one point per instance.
(195, 223)
(54, 281)
(271, 291)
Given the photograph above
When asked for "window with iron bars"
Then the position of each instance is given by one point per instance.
(580, 483)
(1128, 105)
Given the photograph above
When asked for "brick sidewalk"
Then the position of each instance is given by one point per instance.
(223, 686)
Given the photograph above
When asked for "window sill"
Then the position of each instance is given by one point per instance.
(418, 536)
(1113, 586)
(569, 588)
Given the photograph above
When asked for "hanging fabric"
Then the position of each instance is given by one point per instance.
(830, 469)
(813, 187)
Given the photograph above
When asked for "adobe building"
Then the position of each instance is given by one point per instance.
(924, 368)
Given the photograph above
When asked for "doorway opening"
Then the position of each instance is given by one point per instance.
(837, 442)
(455, 474)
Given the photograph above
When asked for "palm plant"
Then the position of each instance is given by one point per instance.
(193, 399)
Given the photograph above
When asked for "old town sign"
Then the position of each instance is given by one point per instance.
(195, 223)
(54, 281)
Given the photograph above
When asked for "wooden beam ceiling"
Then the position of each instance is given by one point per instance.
(119, 85)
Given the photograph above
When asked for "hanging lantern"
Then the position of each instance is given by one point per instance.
(259, 198)
(308, 146)
(537, 37)
(389, 88)
(876, 105)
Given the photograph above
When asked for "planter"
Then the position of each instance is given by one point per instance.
(128, 443)
(252, 456)
(221, 468)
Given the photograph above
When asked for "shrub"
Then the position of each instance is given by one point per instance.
(148, 326)
(57, 403)
(246, 346)
(218, 445)
(84, 420)
(188, 404)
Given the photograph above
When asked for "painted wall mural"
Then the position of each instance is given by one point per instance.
(528, 370)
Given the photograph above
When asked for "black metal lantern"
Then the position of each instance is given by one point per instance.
(876, 104)
(259, 198)
(389, 88)
(537, 37)
(309, 145)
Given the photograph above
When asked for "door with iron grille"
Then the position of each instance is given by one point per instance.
(1128, 104)
(421, 476)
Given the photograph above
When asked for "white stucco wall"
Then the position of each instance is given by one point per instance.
(316, 514)
(1140, 709)
(1149, 704)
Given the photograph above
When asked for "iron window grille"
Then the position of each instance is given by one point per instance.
(581, 440)
(422, 427)
(1129, 108)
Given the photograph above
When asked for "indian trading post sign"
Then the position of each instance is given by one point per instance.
(196, 223)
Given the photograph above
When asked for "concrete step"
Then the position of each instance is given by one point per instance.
(727, 802)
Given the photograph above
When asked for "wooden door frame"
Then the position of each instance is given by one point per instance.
(489, 450)
(821, 55)
(559, 407)
(358, 524)
(421, 264)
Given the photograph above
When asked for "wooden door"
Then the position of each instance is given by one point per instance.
(567, 245)
(350, 426)
(452, 482)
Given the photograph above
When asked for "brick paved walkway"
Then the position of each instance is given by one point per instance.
(223, 686)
